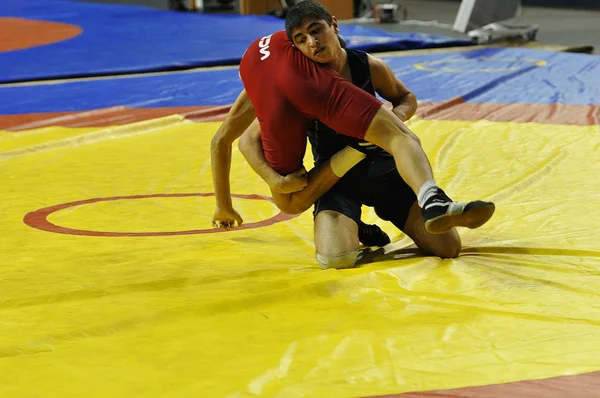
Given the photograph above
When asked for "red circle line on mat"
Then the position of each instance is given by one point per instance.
(21, 34)
(39, 218)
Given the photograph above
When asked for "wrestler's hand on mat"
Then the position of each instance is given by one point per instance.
(293, 182)
(226, 218)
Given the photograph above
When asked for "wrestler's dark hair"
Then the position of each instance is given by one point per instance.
(307, 9)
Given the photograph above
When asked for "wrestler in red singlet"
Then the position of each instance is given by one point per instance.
(289, 90)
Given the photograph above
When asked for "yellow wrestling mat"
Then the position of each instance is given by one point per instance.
(114, 284)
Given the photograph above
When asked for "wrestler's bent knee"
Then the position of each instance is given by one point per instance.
(449, 246)
(341, 261)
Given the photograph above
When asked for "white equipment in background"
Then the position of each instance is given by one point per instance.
(482, 20)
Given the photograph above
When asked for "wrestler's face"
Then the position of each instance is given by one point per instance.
(318, 40)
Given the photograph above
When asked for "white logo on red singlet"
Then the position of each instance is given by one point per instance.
(264, 47)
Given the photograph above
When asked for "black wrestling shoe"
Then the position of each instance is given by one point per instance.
(441, 214)
(372, 235)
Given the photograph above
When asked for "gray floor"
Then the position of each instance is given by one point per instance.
(160, 4)
(570, 27)
(557, 26)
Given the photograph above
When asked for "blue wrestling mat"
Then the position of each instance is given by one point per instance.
(499, 75)
(111, 39)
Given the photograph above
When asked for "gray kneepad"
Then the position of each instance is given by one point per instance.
(341, 261)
